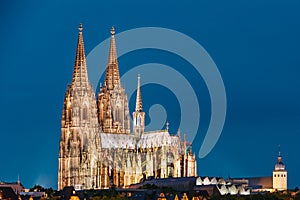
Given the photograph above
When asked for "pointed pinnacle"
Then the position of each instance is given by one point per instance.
(80, 27)
(138, 104)
(80, 71)
(112, 30)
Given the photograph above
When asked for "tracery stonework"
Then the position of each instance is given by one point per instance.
(97, 149)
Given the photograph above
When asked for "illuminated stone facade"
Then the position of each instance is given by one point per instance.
(97, 149)
(79, 128)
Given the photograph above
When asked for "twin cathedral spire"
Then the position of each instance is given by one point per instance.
(80, 72)
(83, 117)
(112, 78)
(79, 127)
(113, 112)
(112, 104)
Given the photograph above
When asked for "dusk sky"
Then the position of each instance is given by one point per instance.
(254, 44)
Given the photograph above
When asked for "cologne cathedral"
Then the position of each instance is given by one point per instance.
(97, 147)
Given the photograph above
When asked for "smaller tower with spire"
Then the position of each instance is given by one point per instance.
(279, 174)
(138, 115)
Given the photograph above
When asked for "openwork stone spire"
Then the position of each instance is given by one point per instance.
(112, 78)
(113, 108)
(112, 58)
(138, 104)
(80, 71)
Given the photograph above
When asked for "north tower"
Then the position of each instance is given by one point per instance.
(79, 141)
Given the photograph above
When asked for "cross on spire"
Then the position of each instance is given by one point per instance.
(112, 30)
(80, 27)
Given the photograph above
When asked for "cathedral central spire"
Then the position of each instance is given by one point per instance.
(138, 104)
(112, 78)
(80, 70)
(138, 115)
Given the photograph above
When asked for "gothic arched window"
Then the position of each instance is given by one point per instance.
(84, 113)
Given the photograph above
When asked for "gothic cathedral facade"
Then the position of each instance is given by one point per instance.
(97, 149)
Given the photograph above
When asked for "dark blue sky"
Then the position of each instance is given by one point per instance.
(255, 45)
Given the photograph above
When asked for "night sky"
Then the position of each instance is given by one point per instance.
(255, 45)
